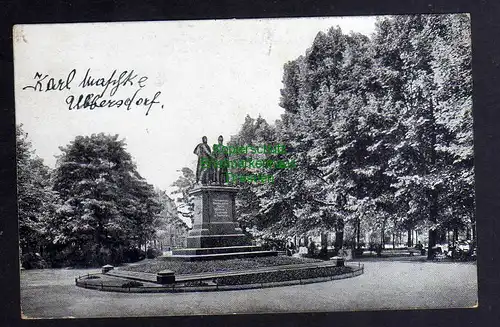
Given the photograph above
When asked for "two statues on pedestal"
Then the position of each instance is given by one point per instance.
(215, 173)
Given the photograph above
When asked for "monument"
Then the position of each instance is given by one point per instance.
(216, 233)
(215, 218)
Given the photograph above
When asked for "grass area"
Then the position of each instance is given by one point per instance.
(181, 267)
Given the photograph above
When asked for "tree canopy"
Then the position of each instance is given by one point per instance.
(106, 207)
(380, 129)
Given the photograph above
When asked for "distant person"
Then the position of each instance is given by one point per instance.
(420, 247)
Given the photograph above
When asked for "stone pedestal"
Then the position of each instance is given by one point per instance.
(215, 218)
(216, 234)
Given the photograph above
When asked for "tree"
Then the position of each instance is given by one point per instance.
(380, 130)
(452, 66)
(36, 200)
(184, 184)
(107, 206)
(433, 131)
(324, 97)
(168, 224)
(253, 132)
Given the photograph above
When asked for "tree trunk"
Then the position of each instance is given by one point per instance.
(358, 231)
(339, 234)
(382, 241)
(433, 210)
(324, 240)
(324, 245)
(473, 230)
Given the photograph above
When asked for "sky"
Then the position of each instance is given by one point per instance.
(209, 74)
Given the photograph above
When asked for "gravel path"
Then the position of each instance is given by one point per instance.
(51, 293)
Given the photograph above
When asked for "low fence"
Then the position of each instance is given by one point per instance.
(204, 284)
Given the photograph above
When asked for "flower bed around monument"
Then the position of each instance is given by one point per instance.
(236, 280)
(283, 275)
(195, 267)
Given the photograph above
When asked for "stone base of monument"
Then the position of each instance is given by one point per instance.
(216, 250)
(216, 234)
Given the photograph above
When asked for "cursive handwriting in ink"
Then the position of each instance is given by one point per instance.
(93, 101)
(125, 78)
(50, 84)
(102, 90)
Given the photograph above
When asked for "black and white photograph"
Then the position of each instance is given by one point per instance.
(245, 166)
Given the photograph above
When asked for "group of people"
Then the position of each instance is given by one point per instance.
(210, 175)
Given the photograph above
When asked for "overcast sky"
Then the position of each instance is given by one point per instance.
(211, 74)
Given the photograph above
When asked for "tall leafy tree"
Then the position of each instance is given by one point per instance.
(324, 97)
(412, 73)
(381, 132)
(106, 205)
(36, 199)
(253, 132)
(184, 184)
(168, 222)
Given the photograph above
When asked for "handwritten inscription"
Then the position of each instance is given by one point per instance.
(221, 208)
(107, 88)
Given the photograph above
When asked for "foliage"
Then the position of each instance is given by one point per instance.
(36, 199)
(107, 207)
(184, 184)
(380, 129)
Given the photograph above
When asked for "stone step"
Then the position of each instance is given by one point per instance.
(216, 250)
(218, 256)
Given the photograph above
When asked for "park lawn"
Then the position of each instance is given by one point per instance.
(195, 267)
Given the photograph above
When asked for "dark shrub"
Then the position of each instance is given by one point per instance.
(133, 254)
(33, 261)
(273, 244)
(358, 252)
(152, 253)
(312, 249)
(92, 277)
(372, 246)
(323, 253)
(132, 283)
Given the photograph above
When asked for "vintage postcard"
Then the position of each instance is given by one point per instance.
(245, 166)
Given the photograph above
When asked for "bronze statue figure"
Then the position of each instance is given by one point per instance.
(204, 170)
(222, 162)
